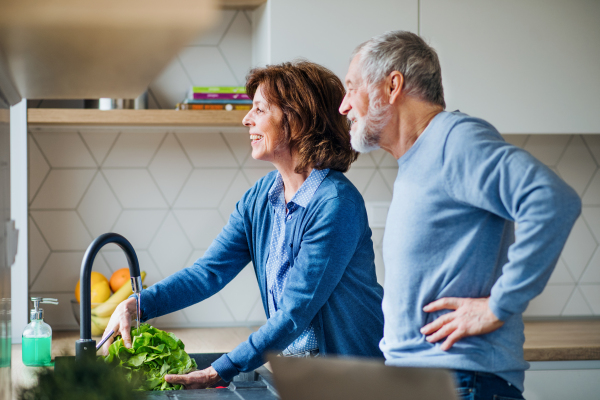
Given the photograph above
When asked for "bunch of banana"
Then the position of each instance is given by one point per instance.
(101, 313)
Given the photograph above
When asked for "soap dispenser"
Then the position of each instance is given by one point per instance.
(37, 336)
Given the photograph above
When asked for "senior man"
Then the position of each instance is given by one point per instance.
(456, 279)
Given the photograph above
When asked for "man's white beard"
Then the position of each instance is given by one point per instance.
(366, 135)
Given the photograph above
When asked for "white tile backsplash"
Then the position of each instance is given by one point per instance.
(591, 197)
(577, 306)
(551, 302)
(140, 226)
(134, 148)
(38, 168)
(171, 86)
(99, 196)
(236, 46)
(213, 36)
(64, 149)
(63, 188)
(546, 148)
(63, 230)
(135, 188)
(170, 248)
(592, 296)
(206, 67)
(593, 143)
(38, 251)
(592, 271)
(200, 226)
(579, 248)
(170, 168)
(207, 149)
(577, 166)
(99, 142)
(205, 188)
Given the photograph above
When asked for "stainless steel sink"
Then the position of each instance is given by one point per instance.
(254, 385)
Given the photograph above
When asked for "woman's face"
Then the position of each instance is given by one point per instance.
(264, 121)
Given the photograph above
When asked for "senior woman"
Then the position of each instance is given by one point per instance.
(303, 226)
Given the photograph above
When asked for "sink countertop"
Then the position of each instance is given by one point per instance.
(544, 341)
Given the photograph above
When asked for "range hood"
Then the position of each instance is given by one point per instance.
(83, 49)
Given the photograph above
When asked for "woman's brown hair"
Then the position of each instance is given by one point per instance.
(309, 96)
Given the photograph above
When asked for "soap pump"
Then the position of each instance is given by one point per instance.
(37, 336)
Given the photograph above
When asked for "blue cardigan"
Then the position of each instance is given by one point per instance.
(332, 282)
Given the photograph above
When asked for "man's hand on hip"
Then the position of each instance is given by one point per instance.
(470, 317)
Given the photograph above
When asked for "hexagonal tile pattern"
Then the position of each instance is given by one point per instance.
(579, 248)
(140, 226)
(377, 189)
(67, 266)
(63, 189)
(364, 160)
(213, 36)
(206, 67)
(577, 166)
(551, 302)
(241, 293)
(257, 314)
(171, 86)
(38, 251)
(64, 149)
(205, 188)
(236, 46)
(577, 305)
(170, 168)
(561, 273)
(593, 142)
(170, 248)
(63, 230)
(239, 143)
(196, 254)
(175, 319)
(239, 186)
(135, 188)
(200, 226)
(38, 168)
(212, 311)
(99, 141)
(99, 208)
(207, 149)
(254, 174)
(360, 177)
(592, 217)
(592, 295)
(389, 175)
(592, 271)
(388, 160)
(547, 148)
(134, 148)
(591, 197)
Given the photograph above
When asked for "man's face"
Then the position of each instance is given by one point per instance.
(367, 114)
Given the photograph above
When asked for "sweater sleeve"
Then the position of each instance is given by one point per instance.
(482, 170)
(225, 258)
(326, 248)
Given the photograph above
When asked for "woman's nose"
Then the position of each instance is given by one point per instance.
(247, 121)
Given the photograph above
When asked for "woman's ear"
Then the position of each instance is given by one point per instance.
(395, 86)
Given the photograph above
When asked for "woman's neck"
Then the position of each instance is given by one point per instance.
(291, 179)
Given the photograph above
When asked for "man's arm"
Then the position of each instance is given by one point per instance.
(485, 172)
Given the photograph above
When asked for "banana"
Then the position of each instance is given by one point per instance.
(108, 307)
(99, 325)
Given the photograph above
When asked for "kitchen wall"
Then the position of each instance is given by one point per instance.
(170, 191)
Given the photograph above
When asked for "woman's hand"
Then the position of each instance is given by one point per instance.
(195, 380)
(120, 323)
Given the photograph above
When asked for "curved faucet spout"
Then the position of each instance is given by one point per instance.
(85, 345)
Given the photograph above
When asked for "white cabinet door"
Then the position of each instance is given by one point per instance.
(526, 66)
(326, 32)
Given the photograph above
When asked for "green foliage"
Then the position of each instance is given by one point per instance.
(90, 380)
(153, 354)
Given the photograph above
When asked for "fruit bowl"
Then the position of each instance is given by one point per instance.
(75, 308)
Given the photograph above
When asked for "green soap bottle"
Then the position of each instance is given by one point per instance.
(37, 336)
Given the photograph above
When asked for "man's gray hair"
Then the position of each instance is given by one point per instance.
(408, 54)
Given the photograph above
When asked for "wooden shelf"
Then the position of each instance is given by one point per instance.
(60, 116)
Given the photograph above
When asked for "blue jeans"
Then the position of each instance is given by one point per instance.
(472, 385)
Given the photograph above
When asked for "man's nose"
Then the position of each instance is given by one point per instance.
(345, 106)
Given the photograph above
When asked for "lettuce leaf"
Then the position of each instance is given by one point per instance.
(153, 354)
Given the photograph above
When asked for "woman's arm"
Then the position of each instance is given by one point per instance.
(327, 246)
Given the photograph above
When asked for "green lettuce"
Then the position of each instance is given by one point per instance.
(153, 354)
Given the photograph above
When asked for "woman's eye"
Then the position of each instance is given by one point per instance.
(258, 110)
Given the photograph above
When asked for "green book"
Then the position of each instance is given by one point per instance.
(218, 89)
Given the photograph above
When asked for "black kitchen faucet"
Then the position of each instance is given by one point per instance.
(86, 347)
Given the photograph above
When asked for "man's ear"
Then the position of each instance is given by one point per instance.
(395, 86)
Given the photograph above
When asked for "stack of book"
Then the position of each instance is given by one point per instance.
(216, 98)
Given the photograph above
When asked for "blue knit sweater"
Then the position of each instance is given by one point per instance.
(450, 232)
(332, 282)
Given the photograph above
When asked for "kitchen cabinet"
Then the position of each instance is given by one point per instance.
(525, 66)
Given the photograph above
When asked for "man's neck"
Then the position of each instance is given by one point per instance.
(406, 125)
